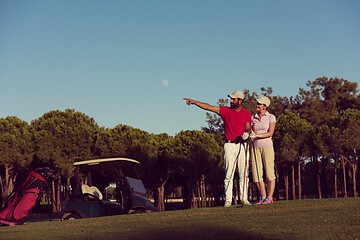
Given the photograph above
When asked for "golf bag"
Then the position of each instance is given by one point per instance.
(22, 200)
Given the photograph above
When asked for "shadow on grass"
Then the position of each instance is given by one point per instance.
(203, 233)
(207, 233)
(44, 217)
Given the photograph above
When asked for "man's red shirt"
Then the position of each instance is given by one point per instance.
(234, 122)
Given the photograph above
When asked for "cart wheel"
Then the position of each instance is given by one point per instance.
(137, 211)
(71, 216)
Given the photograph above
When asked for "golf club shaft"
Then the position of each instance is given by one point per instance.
(257, 170)
(243, 190)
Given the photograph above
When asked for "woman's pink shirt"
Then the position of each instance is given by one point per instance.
(260, 126)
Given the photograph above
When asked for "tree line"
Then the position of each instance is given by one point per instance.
(316, 144)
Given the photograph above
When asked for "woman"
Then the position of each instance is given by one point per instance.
(263, 126)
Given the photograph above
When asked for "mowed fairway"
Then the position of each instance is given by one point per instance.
(299, 219)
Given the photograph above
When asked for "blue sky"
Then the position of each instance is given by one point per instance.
(131, 62)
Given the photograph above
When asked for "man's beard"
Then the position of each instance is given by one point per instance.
(234, 105)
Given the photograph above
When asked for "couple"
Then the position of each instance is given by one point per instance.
(239, 126)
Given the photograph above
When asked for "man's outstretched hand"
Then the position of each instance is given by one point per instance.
(189, 101)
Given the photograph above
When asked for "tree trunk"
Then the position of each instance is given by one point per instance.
(277, 197)
(286, 179)
(198, 190)
(6, 184)
(344, 175)
(160, 194)
(318, 181)
(299, 178)
(293, 181)
(323, 178)
(358, 170)
(159, 198)
(53, 192)
(203, 191)
(210, 196)
(335, 181)
(350, 174)
(67, 189)
(354, 177)
(193, 199)
(188, 193)
(58, 193)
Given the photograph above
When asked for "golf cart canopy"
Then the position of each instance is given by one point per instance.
(106, 163)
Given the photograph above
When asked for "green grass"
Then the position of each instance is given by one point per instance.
(300, 219)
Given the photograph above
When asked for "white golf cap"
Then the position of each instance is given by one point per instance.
(264, 100)
(237, 94)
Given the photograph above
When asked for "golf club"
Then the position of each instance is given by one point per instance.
(242, 193)
(245, 171)
(257, 171)
(238, 159)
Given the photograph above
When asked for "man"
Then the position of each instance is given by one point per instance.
(237, 128)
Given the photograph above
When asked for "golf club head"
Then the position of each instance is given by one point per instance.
(240, 205)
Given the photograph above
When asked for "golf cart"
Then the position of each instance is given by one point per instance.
(88, 201)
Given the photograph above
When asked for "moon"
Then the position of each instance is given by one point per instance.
(165, 83)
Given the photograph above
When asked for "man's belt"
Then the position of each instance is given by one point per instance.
(237, 140)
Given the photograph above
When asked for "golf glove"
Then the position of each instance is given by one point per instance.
(245, 136)
(252, 135)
